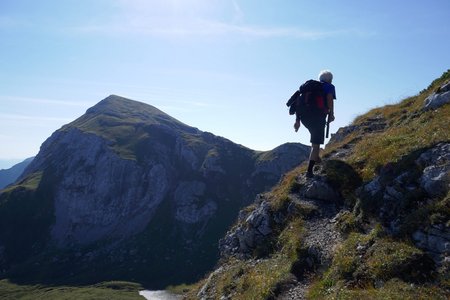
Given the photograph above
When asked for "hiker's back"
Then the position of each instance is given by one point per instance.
(312, 98)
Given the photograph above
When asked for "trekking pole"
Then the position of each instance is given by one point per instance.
(328, 127)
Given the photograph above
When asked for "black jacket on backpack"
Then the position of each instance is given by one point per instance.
(309, 99)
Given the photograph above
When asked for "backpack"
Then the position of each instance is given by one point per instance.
(309, 99)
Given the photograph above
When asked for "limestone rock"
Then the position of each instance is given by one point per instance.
(374, 124)
(390, 192)
(374, 187)
(435, 179)
(438, 99)
(97, 195)
(436, 241)
(253, 232)
(320, 190)
(190, 208)
(342, 133)
(438, 155)
(211, 164)
(243, 239)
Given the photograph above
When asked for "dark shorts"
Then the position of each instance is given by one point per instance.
(316, 126)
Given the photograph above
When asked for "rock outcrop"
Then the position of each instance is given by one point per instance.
(98, 194)
(439, 98)
(394, 194)
(371, 125)
(254, 229)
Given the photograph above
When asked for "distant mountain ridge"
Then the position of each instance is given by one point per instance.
(127, 191)
(8, 176)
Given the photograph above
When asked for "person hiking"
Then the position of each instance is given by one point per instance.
(315, 119)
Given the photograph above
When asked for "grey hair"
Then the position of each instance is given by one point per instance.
(326, 76)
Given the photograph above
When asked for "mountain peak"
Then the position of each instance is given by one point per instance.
(115, 110)
(114, 104)
(111, 99)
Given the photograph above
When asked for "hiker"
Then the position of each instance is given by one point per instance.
(315, 120)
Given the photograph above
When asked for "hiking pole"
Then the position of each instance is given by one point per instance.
(328, 127)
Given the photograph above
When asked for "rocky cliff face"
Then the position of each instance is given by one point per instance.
(97, 194)
(127, 176)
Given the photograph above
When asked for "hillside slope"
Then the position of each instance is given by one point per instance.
(127, 192)
(374, 223)
(8, 176)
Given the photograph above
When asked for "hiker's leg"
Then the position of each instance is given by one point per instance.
(315, 150)
(313, 158)
(317, 138)
(316, 128)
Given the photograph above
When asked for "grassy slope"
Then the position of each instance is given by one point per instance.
(126, 124)
(106, 291)
(25, 207)
(408, 129)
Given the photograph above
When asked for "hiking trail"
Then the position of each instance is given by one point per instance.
(320, 239)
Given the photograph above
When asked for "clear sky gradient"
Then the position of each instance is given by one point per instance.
(223, 66)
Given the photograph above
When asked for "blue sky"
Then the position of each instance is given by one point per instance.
(224, 66)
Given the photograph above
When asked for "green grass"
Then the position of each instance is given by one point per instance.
(394, 289)
(365, 260)
(408, 128)
(290, 239)
(246, 280)
(106, 290)
(31, 182)
(388, 259)
(421, 132)
(348, 222)
(348, 258)
(125, 135)
(279, 195)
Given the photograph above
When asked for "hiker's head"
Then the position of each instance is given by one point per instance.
(326, 76)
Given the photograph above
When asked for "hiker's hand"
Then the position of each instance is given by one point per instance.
(296, 125)
(330, 118)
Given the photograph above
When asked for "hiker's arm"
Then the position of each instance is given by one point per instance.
(297, 121)
(330, 104)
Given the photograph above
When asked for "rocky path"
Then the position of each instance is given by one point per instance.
(321, 239)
